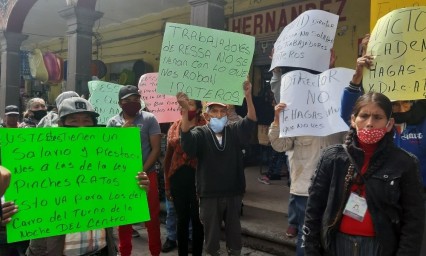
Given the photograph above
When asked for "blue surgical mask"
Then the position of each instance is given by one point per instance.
(217, 124)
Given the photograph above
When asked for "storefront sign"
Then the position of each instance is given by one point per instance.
(313, 102)
(272, 20)
(398, 45)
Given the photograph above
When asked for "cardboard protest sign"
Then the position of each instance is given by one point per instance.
(104, 98)
(206, 64)
(313, 102)
(306, 41)
(398, 45)
(68, 180)
(379, 8)
(164, 107)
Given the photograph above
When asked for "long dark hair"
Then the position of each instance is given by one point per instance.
(387, 144)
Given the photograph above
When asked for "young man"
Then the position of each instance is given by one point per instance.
(52, 118)
(78, 112)
(11, 117)
(220, 174)
(131, 115)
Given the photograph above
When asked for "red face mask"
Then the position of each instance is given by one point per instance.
(371, 136)
(131, 108)
(191, 114)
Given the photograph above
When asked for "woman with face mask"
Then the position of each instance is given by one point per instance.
(366, 195)
(35, 111)
(179, 177)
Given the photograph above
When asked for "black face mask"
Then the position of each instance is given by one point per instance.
(414, 116)
(39, 114)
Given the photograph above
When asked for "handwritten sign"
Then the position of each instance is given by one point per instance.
(379, 8)
(206, 64)
(68, 180)
(104, 98)
(165, 108)
(313, 102)
(306, 41)
(398, 45)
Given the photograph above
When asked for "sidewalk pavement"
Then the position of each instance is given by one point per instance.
(264, 220)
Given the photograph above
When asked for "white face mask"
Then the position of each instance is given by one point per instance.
(217, 124)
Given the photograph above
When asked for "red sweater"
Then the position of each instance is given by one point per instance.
(350, 225)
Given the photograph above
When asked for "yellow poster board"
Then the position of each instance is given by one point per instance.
(379, 8)
(398, 45)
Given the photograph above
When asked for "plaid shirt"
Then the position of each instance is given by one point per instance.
(84, 243)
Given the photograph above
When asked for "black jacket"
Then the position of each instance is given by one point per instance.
(394, 199)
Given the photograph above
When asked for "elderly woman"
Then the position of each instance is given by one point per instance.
(35, 111)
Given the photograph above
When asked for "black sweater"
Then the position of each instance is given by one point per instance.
(220, 169)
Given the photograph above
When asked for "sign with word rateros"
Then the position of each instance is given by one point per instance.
(306, 42)
(379, 8)
(68, 180)
(398, 45)
(204, 63)
(164, 107)
(104, 98)
(313, 102)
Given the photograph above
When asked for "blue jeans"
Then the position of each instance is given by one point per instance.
(292, 215)
(300, 203)
(171, 222)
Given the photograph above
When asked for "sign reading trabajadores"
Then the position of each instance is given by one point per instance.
(206, 64)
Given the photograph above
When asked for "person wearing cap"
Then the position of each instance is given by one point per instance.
(11, 117)
(220, 179)
(78, 112)
(52, 118)
(36, 110)
(129, 101)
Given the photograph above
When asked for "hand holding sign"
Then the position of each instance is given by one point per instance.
(312, 102)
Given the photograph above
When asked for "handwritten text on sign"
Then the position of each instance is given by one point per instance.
(379, 8)
(164, 107)
(104, 98)
(313, 102)
(206, 64)
(398, 44)
(306, 41)
(68, 180)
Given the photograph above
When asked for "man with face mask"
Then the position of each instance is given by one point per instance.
(130, 103)
(220, 176)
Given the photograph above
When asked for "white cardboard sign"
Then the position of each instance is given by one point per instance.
(313, 102)
(306, 41)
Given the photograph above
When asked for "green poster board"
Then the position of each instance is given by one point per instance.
(104, 98)
(204, 63)
(67, 180)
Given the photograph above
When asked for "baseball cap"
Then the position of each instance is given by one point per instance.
(127, 90)
(208, 104)
(76, 105)
(65, 95)
(11, 110)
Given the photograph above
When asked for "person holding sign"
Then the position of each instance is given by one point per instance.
(410, 120)
(78, 112)
(366, 195)
(131, 115)
(220, 172)
(179, 173)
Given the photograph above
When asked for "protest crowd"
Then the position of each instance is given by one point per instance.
(355, 158)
